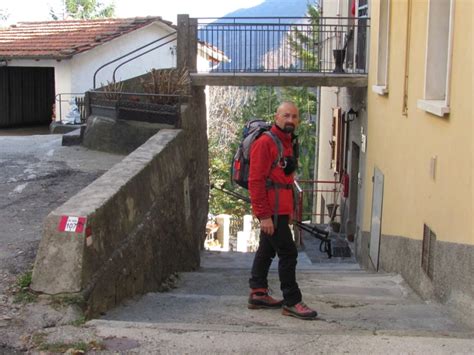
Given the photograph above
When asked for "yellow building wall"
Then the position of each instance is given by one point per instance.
(402, 146)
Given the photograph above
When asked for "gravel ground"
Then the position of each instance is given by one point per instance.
(37, 175)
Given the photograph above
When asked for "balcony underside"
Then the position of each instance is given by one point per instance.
(279, 79)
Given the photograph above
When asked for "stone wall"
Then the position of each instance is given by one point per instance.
(144, 219)
(118, 136)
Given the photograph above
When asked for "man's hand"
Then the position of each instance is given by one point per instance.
(266, 226)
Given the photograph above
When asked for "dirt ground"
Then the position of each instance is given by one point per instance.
(37, 174)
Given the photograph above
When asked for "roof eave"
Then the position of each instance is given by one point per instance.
(36, 57)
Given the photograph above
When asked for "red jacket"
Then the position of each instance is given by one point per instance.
(263, 153)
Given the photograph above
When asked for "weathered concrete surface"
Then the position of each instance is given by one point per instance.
(37, 174)
(118, 136)
(360, 312)
(130, 211)
(61, 128)
(453, 278)
(145, 219)
(279, 79)
(73, 137)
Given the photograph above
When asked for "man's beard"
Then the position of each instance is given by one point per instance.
(289, 128)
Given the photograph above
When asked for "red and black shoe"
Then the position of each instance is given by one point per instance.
(260, 298)
(299, 310)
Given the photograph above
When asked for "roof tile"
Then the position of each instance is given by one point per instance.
(63, 39)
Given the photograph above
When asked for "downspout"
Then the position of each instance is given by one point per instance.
(316, 148)
(316, 158)
(407, 60)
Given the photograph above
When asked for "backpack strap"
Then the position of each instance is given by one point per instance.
(272, 185)
(279, 147)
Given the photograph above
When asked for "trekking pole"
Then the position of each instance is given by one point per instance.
(231, 193)
(318, 233)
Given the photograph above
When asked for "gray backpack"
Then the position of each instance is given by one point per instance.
(240, 167)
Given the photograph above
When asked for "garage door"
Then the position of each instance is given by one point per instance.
(26, 96)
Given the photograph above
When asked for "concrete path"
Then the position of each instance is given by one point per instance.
(360, 312)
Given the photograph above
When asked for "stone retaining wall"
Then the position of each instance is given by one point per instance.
(143, 220)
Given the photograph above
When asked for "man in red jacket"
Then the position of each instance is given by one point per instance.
(271, 193)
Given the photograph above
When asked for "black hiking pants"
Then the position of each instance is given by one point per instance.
(280, 243)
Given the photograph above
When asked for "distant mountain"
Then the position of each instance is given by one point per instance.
(291, 8)
(255, 47)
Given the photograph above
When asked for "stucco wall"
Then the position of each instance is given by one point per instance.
(402, 146)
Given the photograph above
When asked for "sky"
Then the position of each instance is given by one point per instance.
(38, 10)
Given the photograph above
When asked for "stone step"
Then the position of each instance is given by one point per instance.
(235, 260)
(73, 137)
(207, 313)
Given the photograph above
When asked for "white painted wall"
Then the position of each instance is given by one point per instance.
(202, 65)
(85, 64)
(331, 97)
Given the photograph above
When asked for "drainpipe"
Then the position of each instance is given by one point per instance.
(407, 60)
(316, 157)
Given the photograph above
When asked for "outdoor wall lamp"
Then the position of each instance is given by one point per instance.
(351, 115)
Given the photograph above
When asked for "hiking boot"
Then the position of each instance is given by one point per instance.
(299, 310)
(259, 298)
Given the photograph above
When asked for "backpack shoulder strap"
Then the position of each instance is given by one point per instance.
(279, 147)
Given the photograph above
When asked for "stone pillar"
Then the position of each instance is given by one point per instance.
(223, 233)
(242, 240)
(187, 43)
(247, 223)
(244, 236)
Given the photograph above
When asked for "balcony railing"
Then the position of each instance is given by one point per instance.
(286, 44)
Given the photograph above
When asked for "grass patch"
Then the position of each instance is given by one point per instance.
(25, 279)
(61, 347)
(58, 301)
(23, 294)
(79, 321)
(38, 338)
(39, 341)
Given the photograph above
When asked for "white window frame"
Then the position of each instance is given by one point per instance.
(434, 102)
(381, 86)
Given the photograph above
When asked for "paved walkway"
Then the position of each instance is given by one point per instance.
(360, 312)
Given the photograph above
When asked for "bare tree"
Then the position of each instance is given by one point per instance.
(225, 108)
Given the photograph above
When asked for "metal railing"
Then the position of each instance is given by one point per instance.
(146, 107)
(288, 44)
(327, 194)
(67, 102)
(173, 35)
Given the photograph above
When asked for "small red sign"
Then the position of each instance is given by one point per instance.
(72, 224)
